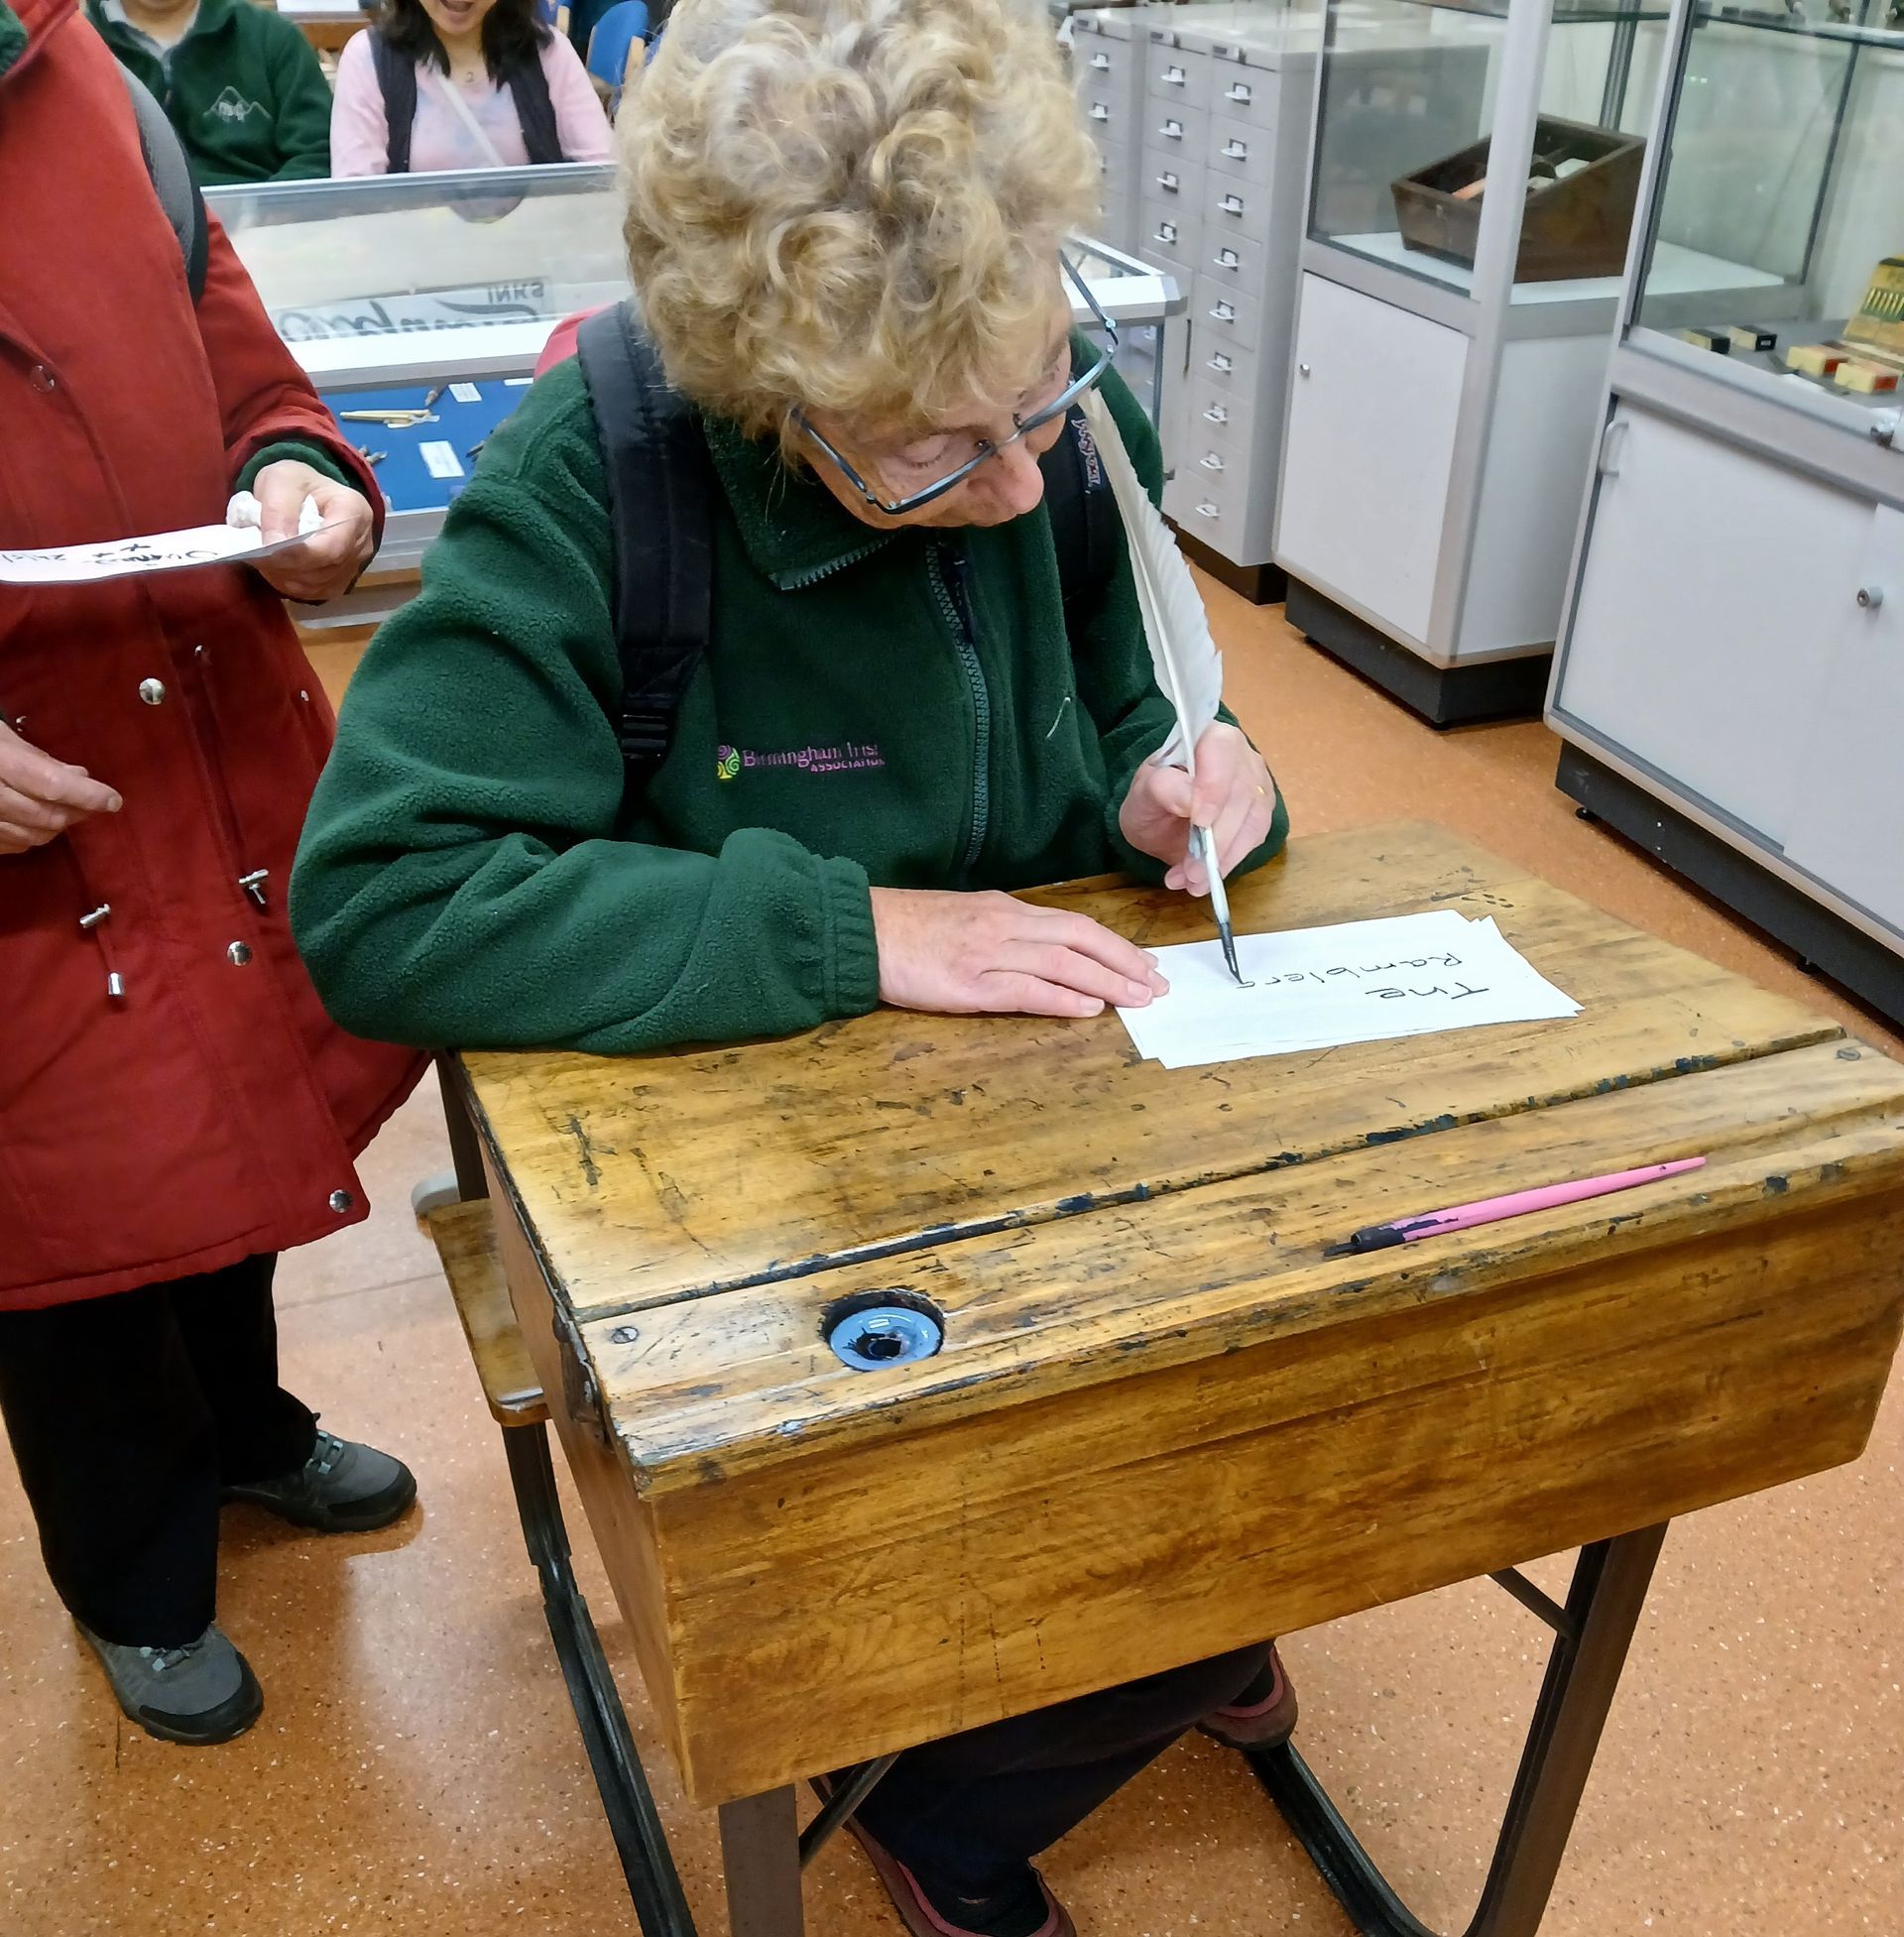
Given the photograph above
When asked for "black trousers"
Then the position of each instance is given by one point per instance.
(969, 1810)
(127, 1415)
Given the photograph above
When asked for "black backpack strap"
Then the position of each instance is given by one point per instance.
(396, 80)
(171, 179)
(1083, 513)
(660, 495)
(534, 111)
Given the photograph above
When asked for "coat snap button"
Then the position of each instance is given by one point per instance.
(239, 953)
(152, 691)
(342, 1200)
(43, 379)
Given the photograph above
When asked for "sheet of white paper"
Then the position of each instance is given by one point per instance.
(466, 393)
(1356, 982)
(202, 544)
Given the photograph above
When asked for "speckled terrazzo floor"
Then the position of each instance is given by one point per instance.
(417, 1772)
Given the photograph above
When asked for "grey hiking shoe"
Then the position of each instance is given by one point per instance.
(343, 1488)
(199, 1694)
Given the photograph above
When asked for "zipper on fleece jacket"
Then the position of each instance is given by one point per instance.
(799, 581)
(948, 569)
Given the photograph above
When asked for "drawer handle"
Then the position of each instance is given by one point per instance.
(1302, 369)
(1101, 62)
(1175, 77)
(1223, 312)
(1099, 113)
(1238, 151)
(1166, 232)
(1227, 259)
(1212, 462)
(1208, 510)
(1870, 597)
(1167, 183)
(1216, 414)
(1222, 366)
(1171, 131)
(1237, 90)
(1230, 204)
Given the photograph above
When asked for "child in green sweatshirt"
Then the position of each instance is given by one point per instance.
(240, 84)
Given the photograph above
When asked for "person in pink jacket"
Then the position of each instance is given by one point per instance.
(462, 84)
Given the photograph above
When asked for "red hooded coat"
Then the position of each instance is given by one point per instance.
(212, 1111)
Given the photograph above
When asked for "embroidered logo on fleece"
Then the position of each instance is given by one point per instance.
(232, 106)
(849, 757)
(1088, 450)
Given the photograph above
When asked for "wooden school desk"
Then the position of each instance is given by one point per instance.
(1163, 1424)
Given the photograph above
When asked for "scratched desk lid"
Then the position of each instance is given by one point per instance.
(704, 1173)
(713, 1389)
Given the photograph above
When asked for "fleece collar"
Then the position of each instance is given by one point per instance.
(793, 530)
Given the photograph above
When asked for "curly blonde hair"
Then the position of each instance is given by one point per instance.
(853, 206)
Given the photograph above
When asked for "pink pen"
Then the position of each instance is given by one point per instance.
(1517, 1203)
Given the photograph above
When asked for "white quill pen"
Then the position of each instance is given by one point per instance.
(1188, 666)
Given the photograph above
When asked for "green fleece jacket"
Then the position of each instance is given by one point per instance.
(901, 709)
(244, 89)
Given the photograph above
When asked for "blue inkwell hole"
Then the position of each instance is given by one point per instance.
(873, 1330)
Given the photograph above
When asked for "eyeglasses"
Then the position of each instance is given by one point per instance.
(1035, 419)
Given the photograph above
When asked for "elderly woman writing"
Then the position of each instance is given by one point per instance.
(844, 223)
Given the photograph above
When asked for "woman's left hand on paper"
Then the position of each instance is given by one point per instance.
(327, 564)
(1233, 796)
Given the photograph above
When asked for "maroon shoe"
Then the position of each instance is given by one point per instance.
(941, 1915)
(1263, 1716)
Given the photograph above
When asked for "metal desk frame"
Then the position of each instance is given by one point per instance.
(764, 1850)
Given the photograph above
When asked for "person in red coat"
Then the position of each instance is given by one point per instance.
(174, 1105)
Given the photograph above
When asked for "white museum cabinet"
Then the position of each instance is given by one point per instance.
(1729, 681)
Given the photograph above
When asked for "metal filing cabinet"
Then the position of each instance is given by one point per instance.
(1106, 57)
(1226, 93)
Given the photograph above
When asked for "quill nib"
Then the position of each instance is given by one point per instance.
(1220, 905)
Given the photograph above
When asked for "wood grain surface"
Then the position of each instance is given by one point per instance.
(657, 1178)
(1164, 1423)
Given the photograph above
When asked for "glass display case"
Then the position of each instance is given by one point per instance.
(393, 278)
(419, 305)
(1729, 686)
(1475, 172)
(1785, 165)
(1428, 107)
